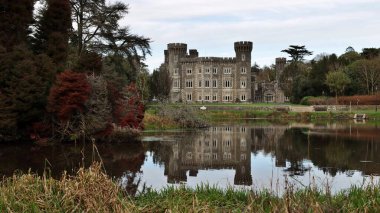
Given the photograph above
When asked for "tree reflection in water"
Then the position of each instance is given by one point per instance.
(234, 149)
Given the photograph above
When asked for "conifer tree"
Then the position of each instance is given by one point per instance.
(25, 81)
(15, 19)
(52, 32)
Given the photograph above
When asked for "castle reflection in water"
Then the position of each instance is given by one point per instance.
(333, 150)
(217, 148)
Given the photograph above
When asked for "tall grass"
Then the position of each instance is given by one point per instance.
(91, 190)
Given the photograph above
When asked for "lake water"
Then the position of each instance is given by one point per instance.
(248, 155)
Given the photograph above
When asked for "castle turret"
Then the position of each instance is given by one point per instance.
(193, 53)
(280, 66)
(243, 51)
(176, 51)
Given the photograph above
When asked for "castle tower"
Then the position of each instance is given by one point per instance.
(280, 66)
(243, 50)
(176, 51)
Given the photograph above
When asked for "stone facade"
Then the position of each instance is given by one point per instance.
(209, 79)
(270, 92)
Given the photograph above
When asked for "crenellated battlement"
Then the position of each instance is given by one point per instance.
(243, 46)
(209, 60)
(177, 48)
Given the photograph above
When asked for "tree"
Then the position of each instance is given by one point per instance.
(337, 82)
(142, 83)
(25, 80)
(349, 56)
(98, 118)
(90, 17)
(297, 53)
(52, 33)
(67, 102)
(370, 53)
(15, 18)
(133, 113)
(97, 29)
(160, 83)
(89, 62)
(369, 73)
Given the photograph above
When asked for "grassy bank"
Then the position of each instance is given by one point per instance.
(153, 121)
(93, 191)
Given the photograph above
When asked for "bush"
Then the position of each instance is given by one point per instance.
(360, 99)
(185, 116)
(320, 108)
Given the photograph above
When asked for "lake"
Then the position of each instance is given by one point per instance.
(245, 155)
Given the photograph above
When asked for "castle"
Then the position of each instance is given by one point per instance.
(209, 79)
(218, 79)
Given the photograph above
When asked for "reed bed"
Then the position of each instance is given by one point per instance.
(91, 190)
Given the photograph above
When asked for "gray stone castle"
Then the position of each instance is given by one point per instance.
(209, 79)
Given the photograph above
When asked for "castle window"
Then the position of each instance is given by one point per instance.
(227, 84)
(189, 83)
(207, 97)
(243, 84)
(207, 70)
(227, 70)
(200, 84)
(200, 70)
(214, 97)
(188, 97)
(243, 70)
(175, 58)
(214, 143)
(199, 98)
(189, 71)
(214, 156)
(176, 70)
(207, 83)
(243, 142)
(229, 156)
(243, 98)
(207, 156)
(214, 70)
(176, 83)
(243, 57)
(243, 157)
(214, 83)
(227, 98)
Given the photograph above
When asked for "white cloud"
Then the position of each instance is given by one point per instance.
(212, 26)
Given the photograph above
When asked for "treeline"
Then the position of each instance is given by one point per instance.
(352, 73)
(69, 70)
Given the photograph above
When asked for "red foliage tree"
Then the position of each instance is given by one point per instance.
(69, 95)
(132, 108)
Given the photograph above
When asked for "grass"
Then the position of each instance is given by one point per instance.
(91, 190)
(229, 112)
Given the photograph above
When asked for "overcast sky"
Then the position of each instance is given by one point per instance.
(211, 26)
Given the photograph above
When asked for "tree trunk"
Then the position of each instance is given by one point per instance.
(80, 28)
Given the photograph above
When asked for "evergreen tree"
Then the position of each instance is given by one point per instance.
(15, 18)
(52, 32)
(25, 81)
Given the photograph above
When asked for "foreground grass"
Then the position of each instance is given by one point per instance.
(93, 191)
